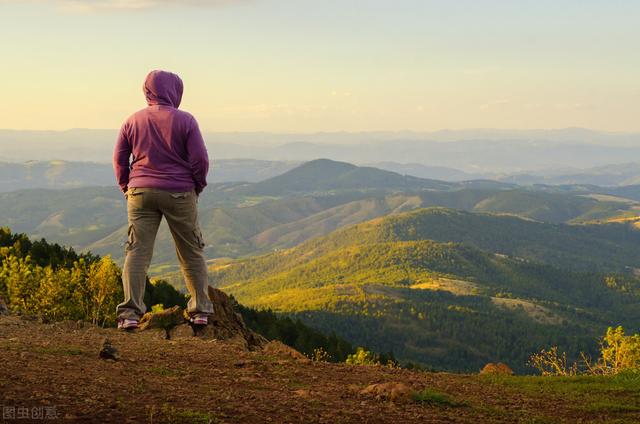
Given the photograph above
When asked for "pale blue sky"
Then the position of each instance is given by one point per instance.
(300, 65)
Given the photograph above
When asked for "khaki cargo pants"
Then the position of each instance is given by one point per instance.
(145, 209)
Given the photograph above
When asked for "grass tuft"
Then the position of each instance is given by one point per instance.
(173, 415)
(433, 397)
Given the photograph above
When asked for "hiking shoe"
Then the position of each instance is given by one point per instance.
(127, 324)
(199, 319)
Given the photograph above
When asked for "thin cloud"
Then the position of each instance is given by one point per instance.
(84, 6)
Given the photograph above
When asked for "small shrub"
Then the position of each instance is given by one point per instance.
(550, 362)
(320, 355)
(618, 354)
(362, 357)
(157, 308)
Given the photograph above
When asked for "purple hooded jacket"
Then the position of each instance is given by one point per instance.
(165, 144)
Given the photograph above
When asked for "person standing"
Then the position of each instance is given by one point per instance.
(161, 165)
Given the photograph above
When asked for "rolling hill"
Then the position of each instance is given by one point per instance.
(309, 201)
(323, 175)
(444, 304)
(611, 247)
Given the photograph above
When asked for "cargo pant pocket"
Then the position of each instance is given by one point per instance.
(133, 197)
(128, 245)
(198, 237)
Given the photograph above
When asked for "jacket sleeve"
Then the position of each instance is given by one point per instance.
(121, 155)
(197, 156)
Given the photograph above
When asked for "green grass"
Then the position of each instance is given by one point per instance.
(595, 394)
(172, 415)
(163, 371)
(433, 397)
(609, 405)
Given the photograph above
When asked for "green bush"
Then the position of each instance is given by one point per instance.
(618, 354)
(86, 291)
(362, 357)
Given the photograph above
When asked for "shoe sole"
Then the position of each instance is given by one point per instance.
(128, 327)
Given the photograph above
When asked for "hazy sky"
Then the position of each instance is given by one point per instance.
(325, 65)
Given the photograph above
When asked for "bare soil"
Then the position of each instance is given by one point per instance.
(188, 379)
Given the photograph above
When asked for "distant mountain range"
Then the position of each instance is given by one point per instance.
(310, 200)
(471, 151)
(58, 174)
(621, 174)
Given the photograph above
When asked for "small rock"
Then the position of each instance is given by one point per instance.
(303, 393)
(108, 351)
(393, 391)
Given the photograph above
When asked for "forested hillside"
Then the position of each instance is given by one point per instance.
(447, 305)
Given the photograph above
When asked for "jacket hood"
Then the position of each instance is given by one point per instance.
(163, 88)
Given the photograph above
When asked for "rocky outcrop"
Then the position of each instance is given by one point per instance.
(166, 320)
(224, 324)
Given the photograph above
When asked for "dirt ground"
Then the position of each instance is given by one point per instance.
(52, 373)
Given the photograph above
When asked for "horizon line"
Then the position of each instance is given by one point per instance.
(412, 131)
